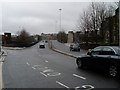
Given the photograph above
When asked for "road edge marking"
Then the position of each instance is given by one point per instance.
(33, 68)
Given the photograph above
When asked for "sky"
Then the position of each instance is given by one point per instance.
(38, 17)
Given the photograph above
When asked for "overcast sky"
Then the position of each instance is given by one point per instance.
(40, 17)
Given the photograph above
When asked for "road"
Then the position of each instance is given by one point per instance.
(66, 49)
(43, 68)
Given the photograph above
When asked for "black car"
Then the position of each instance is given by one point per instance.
(103, 57)
(74, 47)
(42, 45)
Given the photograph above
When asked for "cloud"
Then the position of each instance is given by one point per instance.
(38, 17)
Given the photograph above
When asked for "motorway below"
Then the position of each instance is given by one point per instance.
(43, 68)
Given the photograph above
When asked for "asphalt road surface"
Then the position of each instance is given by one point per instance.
(66, 49)
(43, 68)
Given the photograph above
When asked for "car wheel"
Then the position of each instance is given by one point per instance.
(80, 64)
(113, 71)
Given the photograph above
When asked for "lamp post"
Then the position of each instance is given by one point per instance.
(60, 24)
(60, 18)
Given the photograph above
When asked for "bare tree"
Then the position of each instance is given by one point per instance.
(84, 23)
(92, 18)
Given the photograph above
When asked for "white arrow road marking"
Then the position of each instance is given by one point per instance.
(62, 84)
(79, 76)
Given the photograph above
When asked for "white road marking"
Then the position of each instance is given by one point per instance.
(54, 74)
(79, 76)
(48, 70)
(37, 65)
(77, 88)
(46, 61)
(43, 74)
(62, 84)
(33, 68)
(88, 87)
(28, 64)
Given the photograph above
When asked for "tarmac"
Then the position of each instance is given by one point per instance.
(3, 54)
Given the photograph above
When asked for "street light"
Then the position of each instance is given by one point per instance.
(60, 18)
(60, 23)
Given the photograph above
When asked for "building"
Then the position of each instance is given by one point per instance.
(70, 37)
(110, 29)
(49, 36)
(6, 39)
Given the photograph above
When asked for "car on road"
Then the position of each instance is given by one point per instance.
(41, 45)
(75, 47)
(105, 58)
(46, 41)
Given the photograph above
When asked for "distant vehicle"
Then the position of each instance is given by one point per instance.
(74, 47)
(104, 58)
(46, 41)
(42, 45)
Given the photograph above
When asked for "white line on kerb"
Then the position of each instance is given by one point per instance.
(62, 84)
(43, 74)
(79, 76)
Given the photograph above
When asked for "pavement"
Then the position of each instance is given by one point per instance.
(1, 62)
(3, 53)
(64, 49)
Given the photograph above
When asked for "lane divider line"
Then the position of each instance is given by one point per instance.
(43, 74)
(62, 84)
(79, 76)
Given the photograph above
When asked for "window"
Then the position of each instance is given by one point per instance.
(107, 51)
(96, 51)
